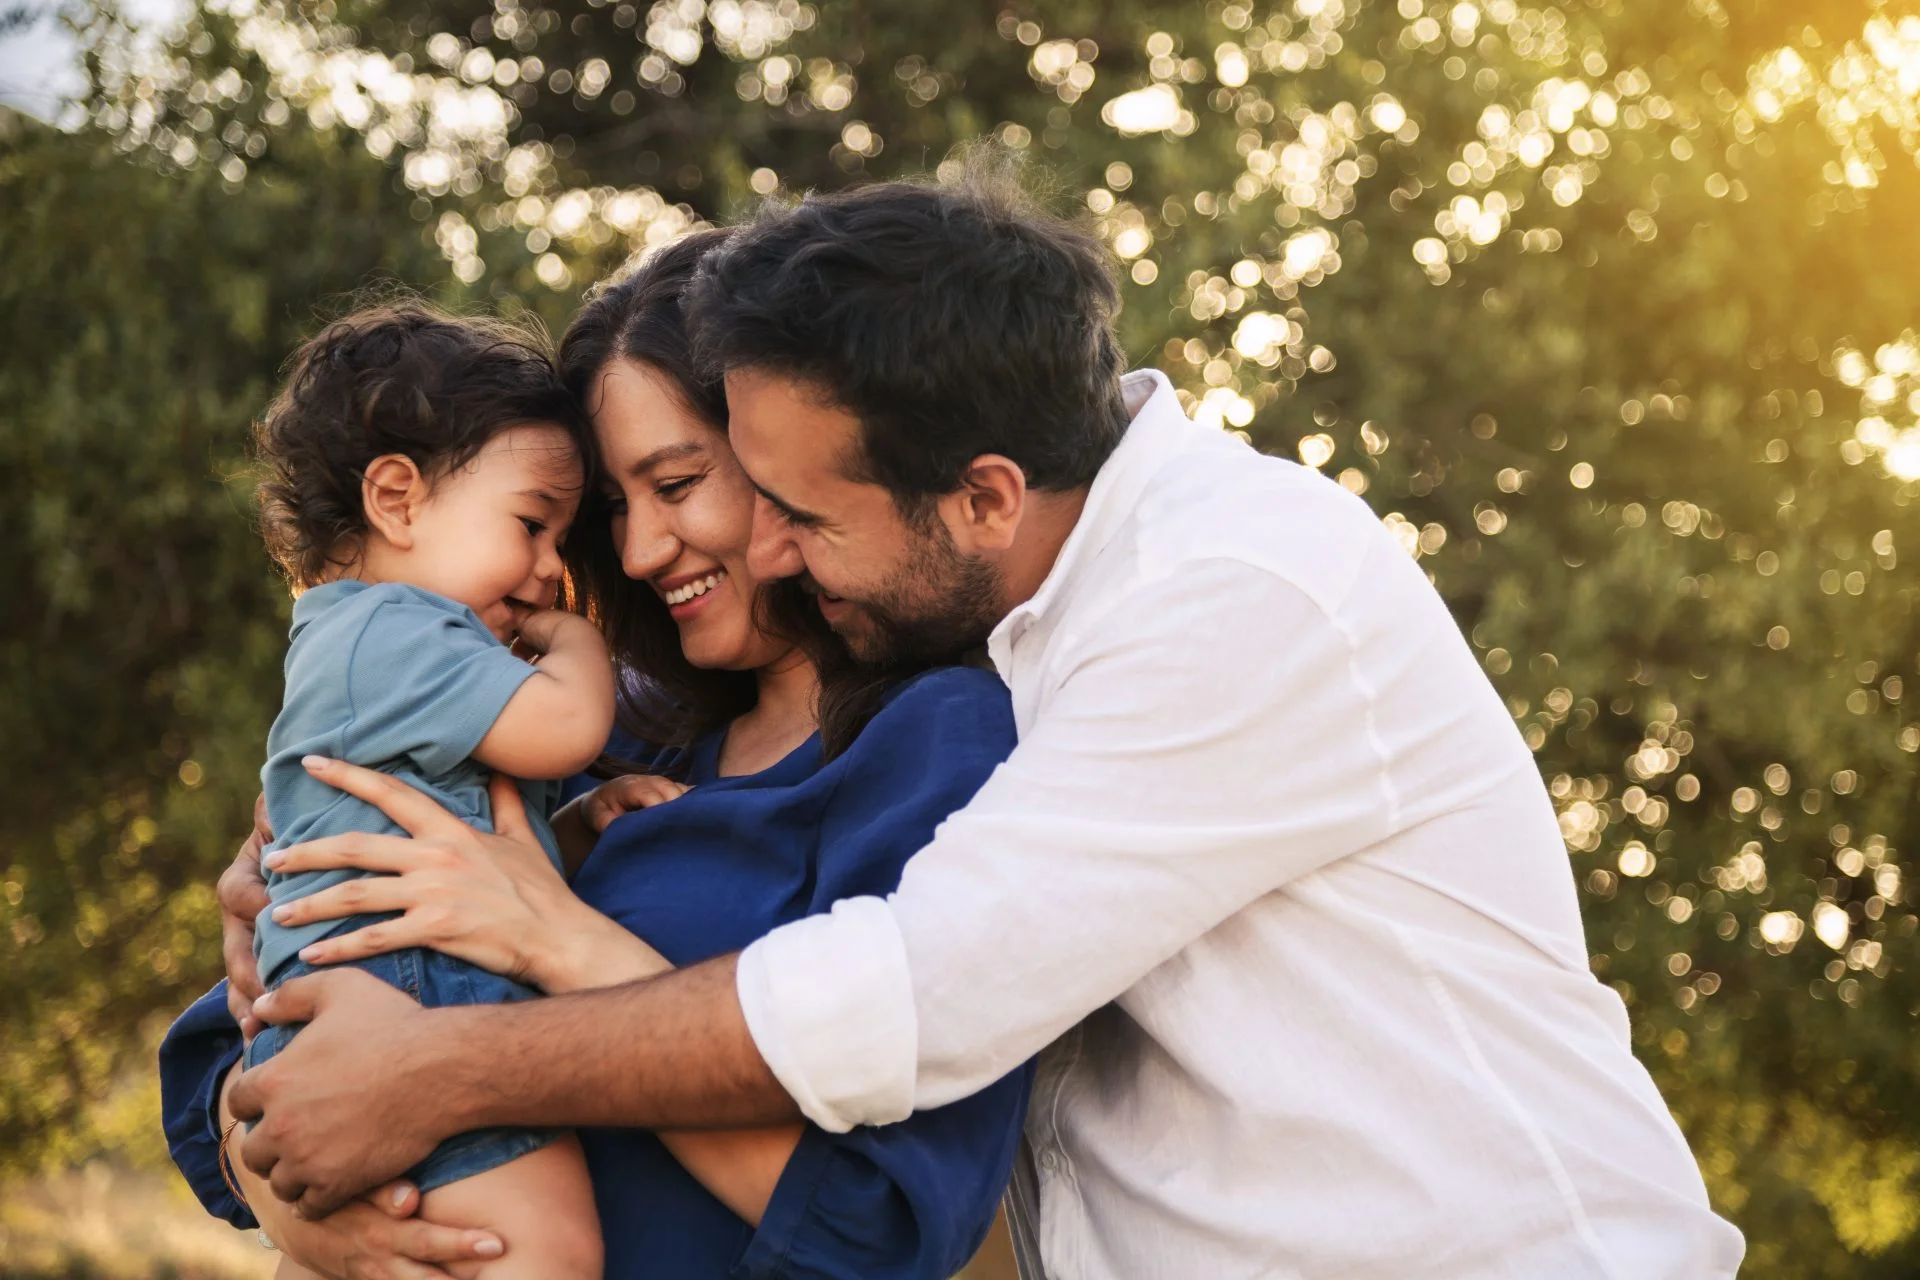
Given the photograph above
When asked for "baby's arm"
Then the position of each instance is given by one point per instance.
(557, 723)
(581, 820)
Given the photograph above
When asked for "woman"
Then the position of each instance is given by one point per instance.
(792, 779)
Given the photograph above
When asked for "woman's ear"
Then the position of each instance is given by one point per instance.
(985, 511)
(392, 491)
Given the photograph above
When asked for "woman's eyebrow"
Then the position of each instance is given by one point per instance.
(667, 453)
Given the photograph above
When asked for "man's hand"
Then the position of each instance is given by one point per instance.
(242, 893)
(350, 1103)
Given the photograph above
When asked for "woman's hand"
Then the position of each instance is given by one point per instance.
(491, 900)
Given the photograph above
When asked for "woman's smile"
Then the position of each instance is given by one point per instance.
(684, 590)
(690, 597)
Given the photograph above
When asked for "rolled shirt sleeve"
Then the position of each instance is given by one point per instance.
(859, 1039)
(914, 1198)
(200, 1048)
(1174, 772)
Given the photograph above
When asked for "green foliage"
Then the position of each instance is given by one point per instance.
(140, 654)
(1608, 310)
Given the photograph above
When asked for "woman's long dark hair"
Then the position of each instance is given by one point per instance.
(664, 700)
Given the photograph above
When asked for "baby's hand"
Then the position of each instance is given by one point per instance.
(549, 630)
(625, 794)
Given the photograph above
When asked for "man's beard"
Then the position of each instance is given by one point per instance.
(937, 607)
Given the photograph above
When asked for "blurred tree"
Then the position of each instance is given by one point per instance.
(139, 659)
(1608, 309)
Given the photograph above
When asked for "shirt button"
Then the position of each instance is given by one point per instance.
(1050, 1160)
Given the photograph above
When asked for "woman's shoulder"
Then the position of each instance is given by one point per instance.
(943, 689)
(949, 709)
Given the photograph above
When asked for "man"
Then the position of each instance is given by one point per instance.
(1270, 877)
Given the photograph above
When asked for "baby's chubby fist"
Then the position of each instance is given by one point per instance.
(623, 795)
(547, 630)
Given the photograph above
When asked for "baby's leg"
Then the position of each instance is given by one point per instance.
(541, 1205)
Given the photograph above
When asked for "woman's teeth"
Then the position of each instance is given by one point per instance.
(680, 595)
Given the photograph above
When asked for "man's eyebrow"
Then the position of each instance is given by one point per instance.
(793, 514)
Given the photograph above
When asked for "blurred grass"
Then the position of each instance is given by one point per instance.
(119, 1211)
(106, 1222)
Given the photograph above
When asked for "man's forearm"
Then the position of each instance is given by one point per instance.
(669, 1052)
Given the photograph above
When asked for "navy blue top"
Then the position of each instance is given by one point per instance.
(705, 875)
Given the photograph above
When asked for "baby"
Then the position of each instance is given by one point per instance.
(423, 471)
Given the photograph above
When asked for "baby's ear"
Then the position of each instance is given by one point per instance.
(392, 490)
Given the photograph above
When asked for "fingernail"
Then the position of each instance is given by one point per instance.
(399, 1197)
(315, 762)
(282, 914)
(274, 859)
(488, 1248)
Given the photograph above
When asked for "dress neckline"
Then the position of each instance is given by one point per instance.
(703, 762)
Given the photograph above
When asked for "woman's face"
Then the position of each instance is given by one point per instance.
(682, 515)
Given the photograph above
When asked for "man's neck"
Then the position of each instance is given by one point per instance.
(1044, 529)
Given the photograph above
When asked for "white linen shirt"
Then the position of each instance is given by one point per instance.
(1275, 877)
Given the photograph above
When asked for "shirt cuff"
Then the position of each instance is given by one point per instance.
(829, 1003)
(782, 1224)
(193, 1136)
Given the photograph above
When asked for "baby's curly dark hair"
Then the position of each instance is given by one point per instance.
(400, 377)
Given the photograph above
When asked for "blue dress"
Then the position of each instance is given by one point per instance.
(703, 876)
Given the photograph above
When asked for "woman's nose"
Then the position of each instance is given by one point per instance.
(771, 550)
(646, 547)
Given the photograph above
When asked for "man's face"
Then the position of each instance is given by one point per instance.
(894, 588)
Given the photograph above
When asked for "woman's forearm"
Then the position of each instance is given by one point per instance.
(591, 952)
(740, 1167)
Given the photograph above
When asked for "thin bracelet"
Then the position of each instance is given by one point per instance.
(231, 1178)
(225, 1162)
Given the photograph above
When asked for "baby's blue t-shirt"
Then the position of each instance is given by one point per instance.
(397, 679)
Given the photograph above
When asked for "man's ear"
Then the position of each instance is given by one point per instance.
(392, 491)
(985, 511)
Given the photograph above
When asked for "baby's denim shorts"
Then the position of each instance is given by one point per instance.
(436, 981)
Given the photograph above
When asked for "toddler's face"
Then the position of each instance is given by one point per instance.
(489, 534)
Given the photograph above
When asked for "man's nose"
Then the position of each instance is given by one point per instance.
(771, 550)
(646, 547)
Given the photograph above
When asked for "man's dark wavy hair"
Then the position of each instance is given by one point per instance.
(953, 319)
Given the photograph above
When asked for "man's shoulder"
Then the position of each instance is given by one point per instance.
(1273, 515)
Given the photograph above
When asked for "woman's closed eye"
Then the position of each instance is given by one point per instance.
(674, 490)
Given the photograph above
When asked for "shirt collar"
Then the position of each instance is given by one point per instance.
(316, 600)
(1157, 432)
